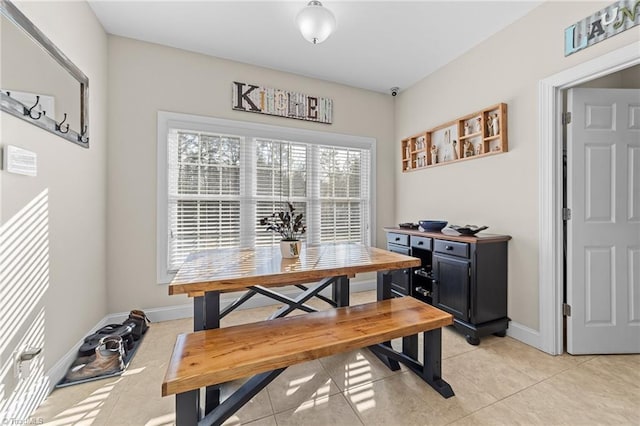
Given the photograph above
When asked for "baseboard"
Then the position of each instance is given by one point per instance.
(525, 334)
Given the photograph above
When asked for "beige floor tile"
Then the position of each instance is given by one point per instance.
(147, 409)
(266, 421)
(299, 384)
(258, 407)
(471, 396)
(545, 404)
(86, 403)
(331, 410)
(355, 368)
(534, 363)
(362, 297)
(243, 316)
(624, 369)
(454, 343)
(486, 370)
(404, 399)
(582, 395)
(495, 415)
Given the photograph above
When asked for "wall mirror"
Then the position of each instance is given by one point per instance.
(38, 83)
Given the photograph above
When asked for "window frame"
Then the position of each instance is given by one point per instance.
(168, 120)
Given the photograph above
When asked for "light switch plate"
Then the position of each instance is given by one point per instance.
(20, 161)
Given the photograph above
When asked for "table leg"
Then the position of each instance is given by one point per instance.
(384, 292)
(188, 408)
(211, 310)
(383, 286)
(211, 398)
(206, 311)
(206, 317)
(198, 313)
(341, 291)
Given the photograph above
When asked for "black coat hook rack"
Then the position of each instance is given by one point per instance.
(29, 111)
(59, 125)
(81, 137)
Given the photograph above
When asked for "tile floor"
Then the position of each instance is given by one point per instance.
(499, 382)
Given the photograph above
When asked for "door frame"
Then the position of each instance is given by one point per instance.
(550, 224)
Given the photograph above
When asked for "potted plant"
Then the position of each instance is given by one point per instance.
(290, 227)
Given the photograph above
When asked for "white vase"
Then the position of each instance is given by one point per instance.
(290, 249)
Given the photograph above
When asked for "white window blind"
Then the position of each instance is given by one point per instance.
(203, 193)
(344, 194)
(219, 184)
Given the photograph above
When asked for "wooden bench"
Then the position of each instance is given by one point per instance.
(264, 349)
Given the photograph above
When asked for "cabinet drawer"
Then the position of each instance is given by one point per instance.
(450, 247)
(400, 239)
(421, 242)
(398, 249)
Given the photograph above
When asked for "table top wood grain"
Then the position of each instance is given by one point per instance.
(234, 269)
(220, 355)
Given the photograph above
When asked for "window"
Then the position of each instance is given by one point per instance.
(218, 178)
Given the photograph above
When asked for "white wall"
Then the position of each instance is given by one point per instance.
(57, 306)
(499, 191)
(628, 78)
(145, 78)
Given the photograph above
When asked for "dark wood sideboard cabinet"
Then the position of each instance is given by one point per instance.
(463, 275)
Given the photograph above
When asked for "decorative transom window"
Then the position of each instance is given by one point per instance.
(218, 178)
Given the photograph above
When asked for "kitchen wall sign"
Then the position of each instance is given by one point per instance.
(283, 103)
(612, 20)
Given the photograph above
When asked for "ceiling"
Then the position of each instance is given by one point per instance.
(377, 44)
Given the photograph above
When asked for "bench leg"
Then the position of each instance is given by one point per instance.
(430, 370)
(410, 346)
(188, 408)
(432, 366)
(240, 397)
(391, 363)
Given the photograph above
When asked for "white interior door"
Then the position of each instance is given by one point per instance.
(603, 234)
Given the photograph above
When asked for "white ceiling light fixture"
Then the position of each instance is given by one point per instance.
(316, 22)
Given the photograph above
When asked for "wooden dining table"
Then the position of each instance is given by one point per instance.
(205, 275)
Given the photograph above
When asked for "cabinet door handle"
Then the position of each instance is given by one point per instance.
(448, 247)
(397, 238)
(420, 243)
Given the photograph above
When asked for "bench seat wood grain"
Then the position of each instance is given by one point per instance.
(217, 356)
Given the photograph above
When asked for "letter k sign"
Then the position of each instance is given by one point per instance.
(243, 96)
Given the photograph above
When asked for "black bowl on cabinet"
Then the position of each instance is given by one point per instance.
(432, 225)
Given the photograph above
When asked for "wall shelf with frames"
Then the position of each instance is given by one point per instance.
(475, 135)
